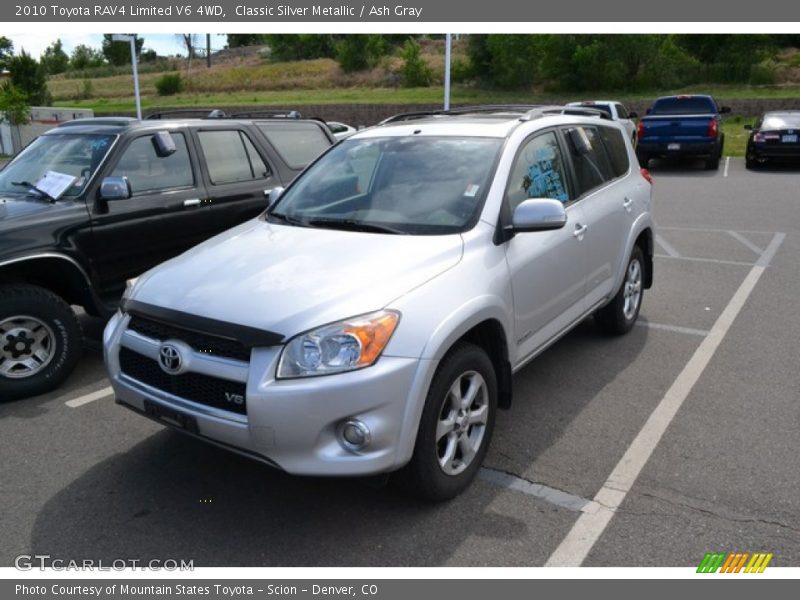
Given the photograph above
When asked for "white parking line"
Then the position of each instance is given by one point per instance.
(718, 261)
(590, 525)
(667, 247)
(539, 490)
(740, 238)
(81, 400)
(727, 163)
(672, 328)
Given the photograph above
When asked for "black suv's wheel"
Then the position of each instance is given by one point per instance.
(619, 315)
(456, 425)
(40, 341)
(644, 159)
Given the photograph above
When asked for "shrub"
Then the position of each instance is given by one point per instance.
(169, 84)
(359, 52)
(416, 72)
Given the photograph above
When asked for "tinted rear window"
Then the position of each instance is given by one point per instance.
(592, 168)
(297, 143)
(688, 105)
(781, 122)
(617, 151)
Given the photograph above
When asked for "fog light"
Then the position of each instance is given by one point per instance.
(354, 435)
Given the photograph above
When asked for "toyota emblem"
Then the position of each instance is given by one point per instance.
(169, 358)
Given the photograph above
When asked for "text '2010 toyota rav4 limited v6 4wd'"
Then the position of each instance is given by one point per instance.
(370, 321)
(94, 202)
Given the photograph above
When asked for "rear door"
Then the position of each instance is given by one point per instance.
(238, 175)
(297, 143)
(609, 200)
(163, 217)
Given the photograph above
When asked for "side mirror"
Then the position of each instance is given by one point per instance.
(273, 195)
(749, 127)
(538, 214)
(647, 112)
(115, 188)
(164, 144)
(633, 115)
(580, 141)
(725, 109)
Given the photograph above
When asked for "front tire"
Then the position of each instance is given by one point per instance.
(40, 341)
(618, 316)
(456, 425)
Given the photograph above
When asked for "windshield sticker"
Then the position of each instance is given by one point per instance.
(472, 190)
(543, 180)
(54, 184)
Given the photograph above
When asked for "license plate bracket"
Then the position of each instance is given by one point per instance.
(169, 416)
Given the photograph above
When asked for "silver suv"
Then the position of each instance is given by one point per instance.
(371, 319)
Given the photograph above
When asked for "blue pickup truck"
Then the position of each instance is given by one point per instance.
(678, 126)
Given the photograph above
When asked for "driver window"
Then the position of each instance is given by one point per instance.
(148, 172)
(538, 172)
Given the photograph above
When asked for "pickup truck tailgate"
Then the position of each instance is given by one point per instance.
(677, 127)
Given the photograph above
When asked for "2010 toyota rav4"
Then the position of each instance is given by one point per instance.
(371, 319)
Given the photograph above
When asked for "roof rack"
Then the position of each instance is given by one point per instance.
(268, 114)
(201, 113)
(526, 112)
(110, 121)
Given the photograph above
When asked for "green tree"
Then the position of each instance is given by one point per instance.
(29, 77)
(6, 52)
(85, 57)
(119, 53)
(301, 46)
(237, 40)
(358, 52)
(416, 72)
(54, 60)
(14, 104)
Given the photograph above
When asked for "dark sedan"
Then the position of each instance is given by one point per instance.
(774, 137)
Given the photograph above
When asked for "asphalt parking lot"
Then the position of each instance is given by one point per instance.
(647, 450)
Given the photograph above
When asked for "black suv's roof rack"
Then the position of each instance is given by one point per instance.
(199, 113)
(526, 112)
(280, 113)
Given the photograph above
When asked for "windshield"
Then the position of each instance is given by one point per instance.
(78, 155)
(413, 185)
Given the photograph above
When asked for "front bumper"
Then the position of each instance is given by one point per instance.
(290, 424)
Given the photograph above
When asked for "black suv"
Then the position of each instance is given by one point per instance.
(95, 202)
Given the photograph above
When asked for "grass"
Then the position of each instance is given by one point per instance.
(736, 135)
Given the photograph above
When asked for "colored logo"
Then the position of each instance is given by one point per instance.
(734, 562)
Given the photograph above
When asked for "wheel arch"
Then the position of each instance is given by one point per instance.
(60, 274)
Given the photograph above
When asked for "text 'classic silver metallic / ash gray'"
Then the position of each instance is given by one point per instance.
(371, 320)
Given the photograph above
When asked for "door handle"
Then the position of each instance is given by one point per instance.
(579, 231)
(627, 204)
(192, 202)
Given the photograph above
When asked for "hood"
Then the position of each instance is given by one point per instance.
(290, 279)
(15, 207)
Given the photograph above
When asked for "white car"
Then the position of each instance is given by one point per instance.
(340, 130)
(617, 112)
(371, 319)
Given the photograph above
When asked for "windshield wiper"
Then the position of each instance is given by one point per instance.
(286, 219)
(28, 184)
(353, 225)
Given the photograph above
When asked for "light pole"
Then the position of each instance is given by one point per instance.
(447, 72)
(119, 37)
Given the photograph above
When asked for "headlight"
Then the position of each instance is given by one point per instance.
(345, 346)
(129, 285)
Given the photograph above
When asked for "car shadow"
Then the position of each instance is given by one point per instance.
(680, 167)
(172, 496)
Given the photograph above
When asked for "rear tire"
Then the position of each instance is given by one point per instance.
(644, 159)
(456, 426)
(40, 341)
(618, 316)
